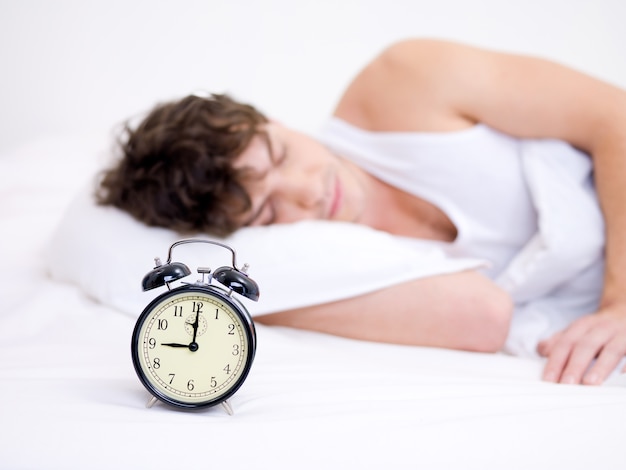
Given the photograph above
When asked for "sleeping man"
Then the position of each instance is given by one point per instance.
(480, 151)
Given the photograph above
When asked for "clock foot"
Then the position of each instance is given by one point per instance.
(227, 407)
(151, 402)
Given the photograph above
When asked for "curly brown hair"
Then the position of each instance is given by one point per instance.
(176, 168)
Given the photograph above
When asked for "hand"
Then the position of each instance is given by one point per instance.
(571, 352)
(194, 325)
(193, 346)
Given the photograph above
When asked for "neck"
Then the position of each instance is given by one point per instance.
(392, 210)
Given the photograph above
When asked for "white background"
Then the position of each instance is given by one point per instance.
(79, 66)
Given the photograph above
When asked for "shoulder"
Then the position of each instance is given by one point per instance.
(404, 88)
(416, 54)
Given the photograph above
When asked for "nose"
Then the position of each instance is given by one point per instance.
(298, 197)
(300, 192)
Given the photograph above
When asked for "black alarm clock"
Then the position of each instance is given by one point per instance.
(193, 346)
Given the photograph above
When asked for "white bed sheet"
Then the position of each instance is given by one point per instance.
(69, 397)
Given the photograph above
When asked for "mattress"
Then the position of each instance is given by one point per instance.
(69, 397)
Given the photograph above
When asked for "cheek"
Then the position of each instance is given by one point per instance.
(313, 154)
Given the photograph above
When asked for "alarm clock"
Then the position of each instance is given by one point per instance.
(193, 346)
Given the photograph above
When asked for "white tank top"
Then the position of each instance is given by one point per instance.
(474, 176)
(527, 205)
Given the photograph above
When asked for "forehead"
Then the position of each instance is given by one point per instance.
(258, 154)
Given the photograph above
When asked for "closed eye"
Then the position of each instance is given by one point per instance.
(266, 213)
(277, 150)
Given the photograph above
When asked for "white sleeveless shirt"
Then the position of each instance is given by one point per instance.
(474, 176)
(528, 206)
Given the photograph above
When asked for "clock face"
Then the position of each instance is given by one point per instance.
(193, 347)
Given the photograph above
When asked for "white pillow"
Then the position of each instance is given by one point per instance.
(107, 253)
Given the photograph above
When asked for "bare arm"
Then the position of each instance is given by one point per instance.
(440, 86)
(461, 311)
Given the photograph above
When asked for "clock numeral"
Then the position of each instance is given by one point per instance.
(156, 363)
(213, 382)
(227, 369)
(231, 329)
(162, 324)
(178, 310)
(190, 385)
(217, 313)
(152, 343)
(172, 378)
(235, 350)
(197, 307)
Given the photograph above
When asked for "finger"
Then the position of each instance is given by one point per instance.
(559, 347)
(581, 356)
(545, 346)
(571, 334)
(557, 360)
(608, 359)
(586, 349)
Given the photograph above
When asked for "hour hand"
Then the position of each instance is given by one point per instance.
(175, 345)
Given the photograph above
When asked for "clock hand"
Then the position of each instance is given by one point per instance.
(193, 346)
(194, 325)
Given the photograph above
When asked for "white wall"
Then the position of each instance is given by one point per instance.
(78, 66)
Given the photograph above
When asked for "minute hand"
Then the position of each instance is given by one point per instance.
(194, 325)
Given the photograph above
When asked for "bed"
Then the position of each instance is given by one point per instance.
(70, 398)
